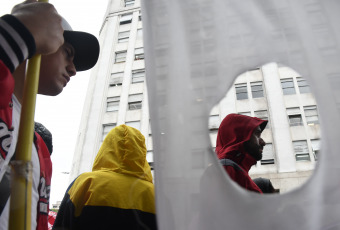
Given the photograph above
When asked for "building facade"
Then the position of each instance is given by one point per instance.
(117, 94)
(281, 96)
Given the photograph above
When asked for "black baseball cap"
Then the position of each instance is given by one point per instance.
(86, 47)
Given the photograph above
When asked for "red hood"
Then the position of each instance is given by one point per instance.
(235, 129)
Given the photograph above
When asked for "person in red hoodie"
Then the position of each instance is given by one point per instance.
(239, 146)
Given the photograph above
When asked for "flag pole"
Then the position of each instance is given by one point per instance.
(21, 172)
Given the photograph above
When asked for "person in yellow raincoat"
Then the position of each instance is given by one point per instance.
(118, 193)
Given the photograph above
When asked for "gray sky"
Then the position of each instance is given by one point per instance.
(62, 114)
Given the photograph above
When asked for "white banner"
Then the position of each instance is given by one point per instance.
(194, 49)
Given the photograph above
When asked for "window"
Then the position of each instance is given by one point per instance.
(123, 36)
(303, 86)
(149, 156)
(288, 86)
(295, 120)
(150, 128)
(152, 167)
(301, 151)
(133, 124)
(116, 79)
(214, 122)
(311, 115)
(294, 116)
(125, 19)
(213, 137)
(149, 144)
(135, 101)
(120, 57)
(256, 89)
(316, 148)
(128, 3)
(135, 105)
(106, 129)
(139, 34)
(140, 16)
(138, 76)
(112, 104)
(267, 155)
(241, 91)
(139, 54)
(245, 113)
(262, 114)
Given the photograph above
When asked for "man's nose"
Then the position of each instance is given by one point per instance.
(71, 69)
(262, 142)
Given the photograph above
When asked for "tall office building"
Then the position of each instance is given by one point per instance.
(117, 91)
(117, 94)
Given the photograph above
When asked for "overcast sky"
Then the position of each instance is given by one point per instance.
(62, 114)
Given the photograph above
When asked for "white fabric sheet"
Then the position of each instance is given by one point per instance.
(194, 49)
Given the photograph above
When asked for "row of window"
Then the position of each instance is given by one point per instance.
(262, 114)
(107, 127)
(127, 18)
(294, 115)
(242, 91)
(137, 76)
(295, 118)
(124, 36)
(121, 55)
(134, 102)
(214, 120)
(287, 85)
(301, 151)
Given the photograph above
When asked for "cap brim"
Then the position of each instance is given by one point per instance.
(86, 48)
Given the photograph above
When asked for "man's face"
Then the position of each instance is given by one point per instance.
(254, 146)
(56, 70)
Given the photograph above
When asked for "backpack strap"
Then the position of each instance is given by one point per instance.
(228, 162)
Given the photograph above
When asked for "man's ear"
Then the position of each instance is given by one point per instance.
(245, 145)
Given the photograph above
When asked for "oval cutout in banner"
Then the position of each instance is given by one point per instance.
(284, 152)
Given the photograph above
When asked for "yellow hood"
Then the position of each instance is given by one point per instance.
(123, 151)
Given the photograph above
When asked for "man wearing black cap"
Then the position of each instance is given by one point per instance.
(35, 28)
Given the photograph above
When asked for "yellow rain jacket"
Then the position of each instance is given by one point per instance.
(118, 193)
